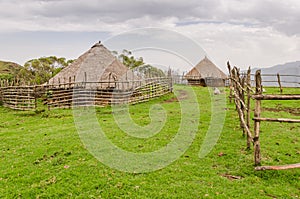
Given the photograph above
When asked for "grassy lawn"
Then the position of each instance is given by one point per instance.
(42, 155)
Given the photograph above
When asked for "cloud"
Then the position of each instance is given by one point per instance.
(95, 15)
(255, 32)
(244, 45)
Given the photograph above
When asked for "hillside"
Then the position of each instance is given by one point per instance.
(290, 68)
(8, 70)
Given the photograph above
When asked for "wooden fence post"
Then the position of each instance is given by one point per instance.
(257, 156)
(279, 82)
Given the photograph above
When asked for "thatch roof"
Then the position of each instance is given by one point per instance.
(205, 69)
(97, 64)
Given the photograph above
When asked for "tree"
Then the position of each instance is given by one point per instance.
(150, 71)
(40, 70)
(137, 64)
(128, 59)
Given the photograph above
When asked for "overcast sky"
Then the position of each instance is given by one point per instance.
(259, 33)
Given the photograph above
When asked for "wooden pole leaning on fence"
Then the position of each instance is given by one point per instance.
(248, 119)
(242, 97)
(240, 103)
(230, 82)
(258, 89)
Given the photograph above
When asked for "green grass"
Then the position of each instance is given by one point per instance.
(42, 156)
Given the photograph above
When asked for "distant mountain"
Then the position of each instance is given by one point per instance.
(289, 74)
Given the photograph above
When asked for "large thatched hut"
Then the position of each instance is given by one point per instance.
(206, 73)
(98, 78)
(96, 65)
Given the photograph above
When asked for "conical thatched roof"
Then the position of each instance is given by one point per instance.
(204, 69)
(97, 64)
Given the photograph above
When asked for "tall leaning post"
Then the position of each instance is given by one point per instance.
(258, 91)
(248, 86)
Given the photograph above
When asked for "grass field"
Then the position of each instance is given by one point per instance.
(42, 155)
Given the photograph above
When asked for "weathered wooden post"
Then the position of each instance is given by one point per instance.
(70, 82)
(258, 91)
(35, 93)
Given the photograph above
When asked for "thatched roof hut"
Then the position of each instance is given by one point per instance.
(96, 65)
(206, 73)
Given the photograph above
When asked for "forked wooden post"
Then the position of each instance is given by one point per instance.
(257, 156)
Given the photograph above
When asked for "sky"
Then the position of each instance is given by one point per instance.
(256, 33)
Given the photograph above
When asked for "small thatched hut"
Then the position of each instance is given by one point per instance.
(96, 65)
(206, 73)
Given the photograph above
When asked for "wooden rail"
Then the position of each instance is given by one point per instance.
(281, 167)
(276, 97)
(277, 120)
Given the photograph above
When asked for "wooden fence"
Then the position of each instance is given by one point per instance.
(280, 80)
(242, 92)
(18, 97)
(68, 95)
(257, 119)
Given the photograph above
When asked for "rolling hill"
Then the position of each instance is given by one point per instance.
(8, 70)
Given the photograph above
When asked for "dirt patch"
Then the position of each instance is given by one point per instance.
(292, 111)
(182, 95)
(231, 177)
(174, 99)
